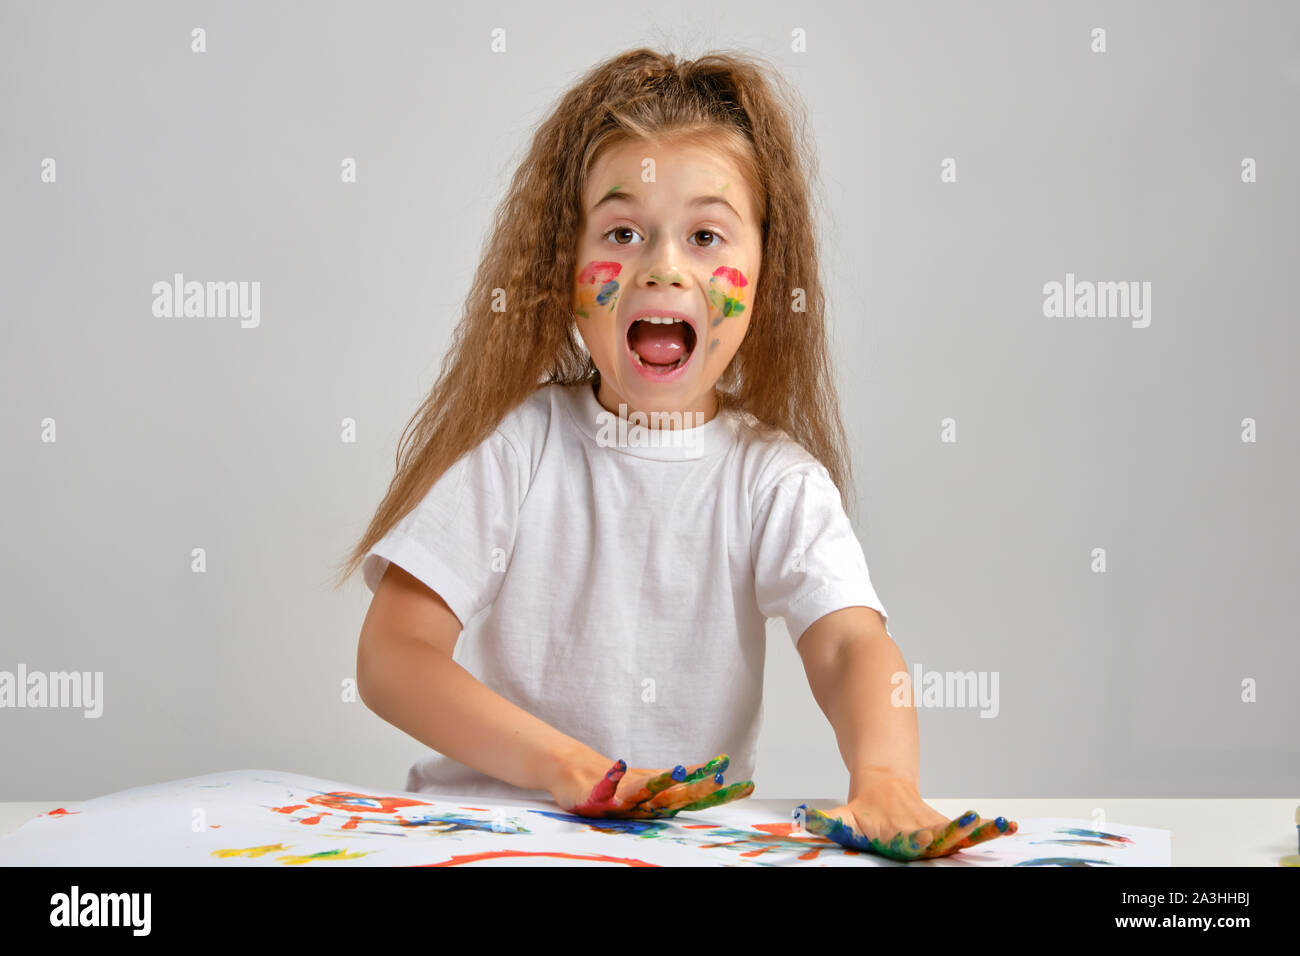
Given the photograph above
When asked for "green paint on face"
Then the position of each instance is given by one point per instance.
(612, 190)
(726, 304)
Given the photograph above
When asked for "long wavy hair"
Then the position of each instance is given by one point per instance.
(781, 374)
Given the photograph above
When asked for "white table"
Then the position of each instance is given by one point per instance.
(1205, 832)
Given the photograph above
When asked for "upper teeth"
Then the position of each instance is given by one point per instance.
(660, 319)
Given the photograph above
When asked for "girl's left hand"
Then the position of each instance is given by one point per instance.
(888, 816)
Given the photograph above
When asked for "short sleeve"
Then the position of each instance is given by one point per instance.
(807, 560)
(459, 539)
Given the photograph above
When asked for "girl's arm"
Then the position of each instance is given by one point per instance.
(851, 661)
(406, 675)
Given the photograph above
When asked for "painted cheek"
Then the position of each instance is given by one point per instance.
(728, 291)
(596, 285)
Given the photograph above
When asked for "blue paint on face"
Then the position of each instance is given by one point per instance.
(606, 292)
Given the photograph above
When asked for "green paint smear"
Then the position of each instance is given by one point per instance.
(725, 304)
(730, 792)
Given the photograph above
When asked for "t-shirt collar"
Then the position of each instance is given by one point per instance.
(608, 430)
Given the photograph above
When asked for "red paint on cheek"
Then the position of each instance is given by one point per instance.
(734, 276)
(599, 272)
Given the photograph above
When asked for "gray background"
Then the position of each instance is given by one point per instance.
(1073, 433)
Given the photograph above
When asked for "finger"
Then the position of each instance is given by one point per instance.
(701, 772)
(833, 828)
(678, 775)
(700, 796)
(988, 831)
(733, 791)
(949, 837)
(601, 798)
(680, 796)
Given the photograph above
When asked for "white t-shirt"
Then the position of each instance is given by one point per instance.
(618, 587)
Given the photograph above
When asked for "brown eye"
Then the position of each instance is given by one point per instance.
(708, 232)
(620, 229)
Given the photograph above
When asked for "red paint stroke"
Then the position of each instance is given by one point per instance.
(351, 824)
(312, 820)
(779, 836)
(599, 272)
(480, 809)
(296, 806)
(734, 276)
(785, 830)
(513, 854)
(60, 812)
(216, 826)
(352, 802)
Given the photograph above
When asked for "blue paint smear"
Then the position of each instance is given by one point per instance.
(606, 291)
(1061, 861)
(609, 824)
(1077, 831)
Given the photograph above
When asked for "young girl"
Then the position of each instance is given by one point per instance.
(631, 459)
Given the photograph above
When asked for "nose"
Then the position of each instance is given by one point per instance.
(661, 268)
(663, 277)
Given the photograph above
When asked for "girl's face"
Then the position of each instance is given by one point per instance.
(685, 245)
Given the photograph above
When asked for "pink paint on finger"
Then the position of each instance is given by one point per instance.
(602, 794)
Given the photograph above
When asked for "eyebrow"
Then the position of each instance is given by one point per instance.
(617, 196)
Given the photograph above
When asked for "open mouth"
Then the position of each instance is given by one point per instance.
(660, 344)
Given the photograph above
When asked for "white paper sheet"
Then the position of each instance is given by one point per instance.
(267, 818)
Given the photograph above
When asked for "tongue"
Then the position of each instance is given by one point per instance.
(658, 344)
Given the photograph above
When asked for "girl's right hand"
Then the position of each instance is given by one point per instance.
(643, 792)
